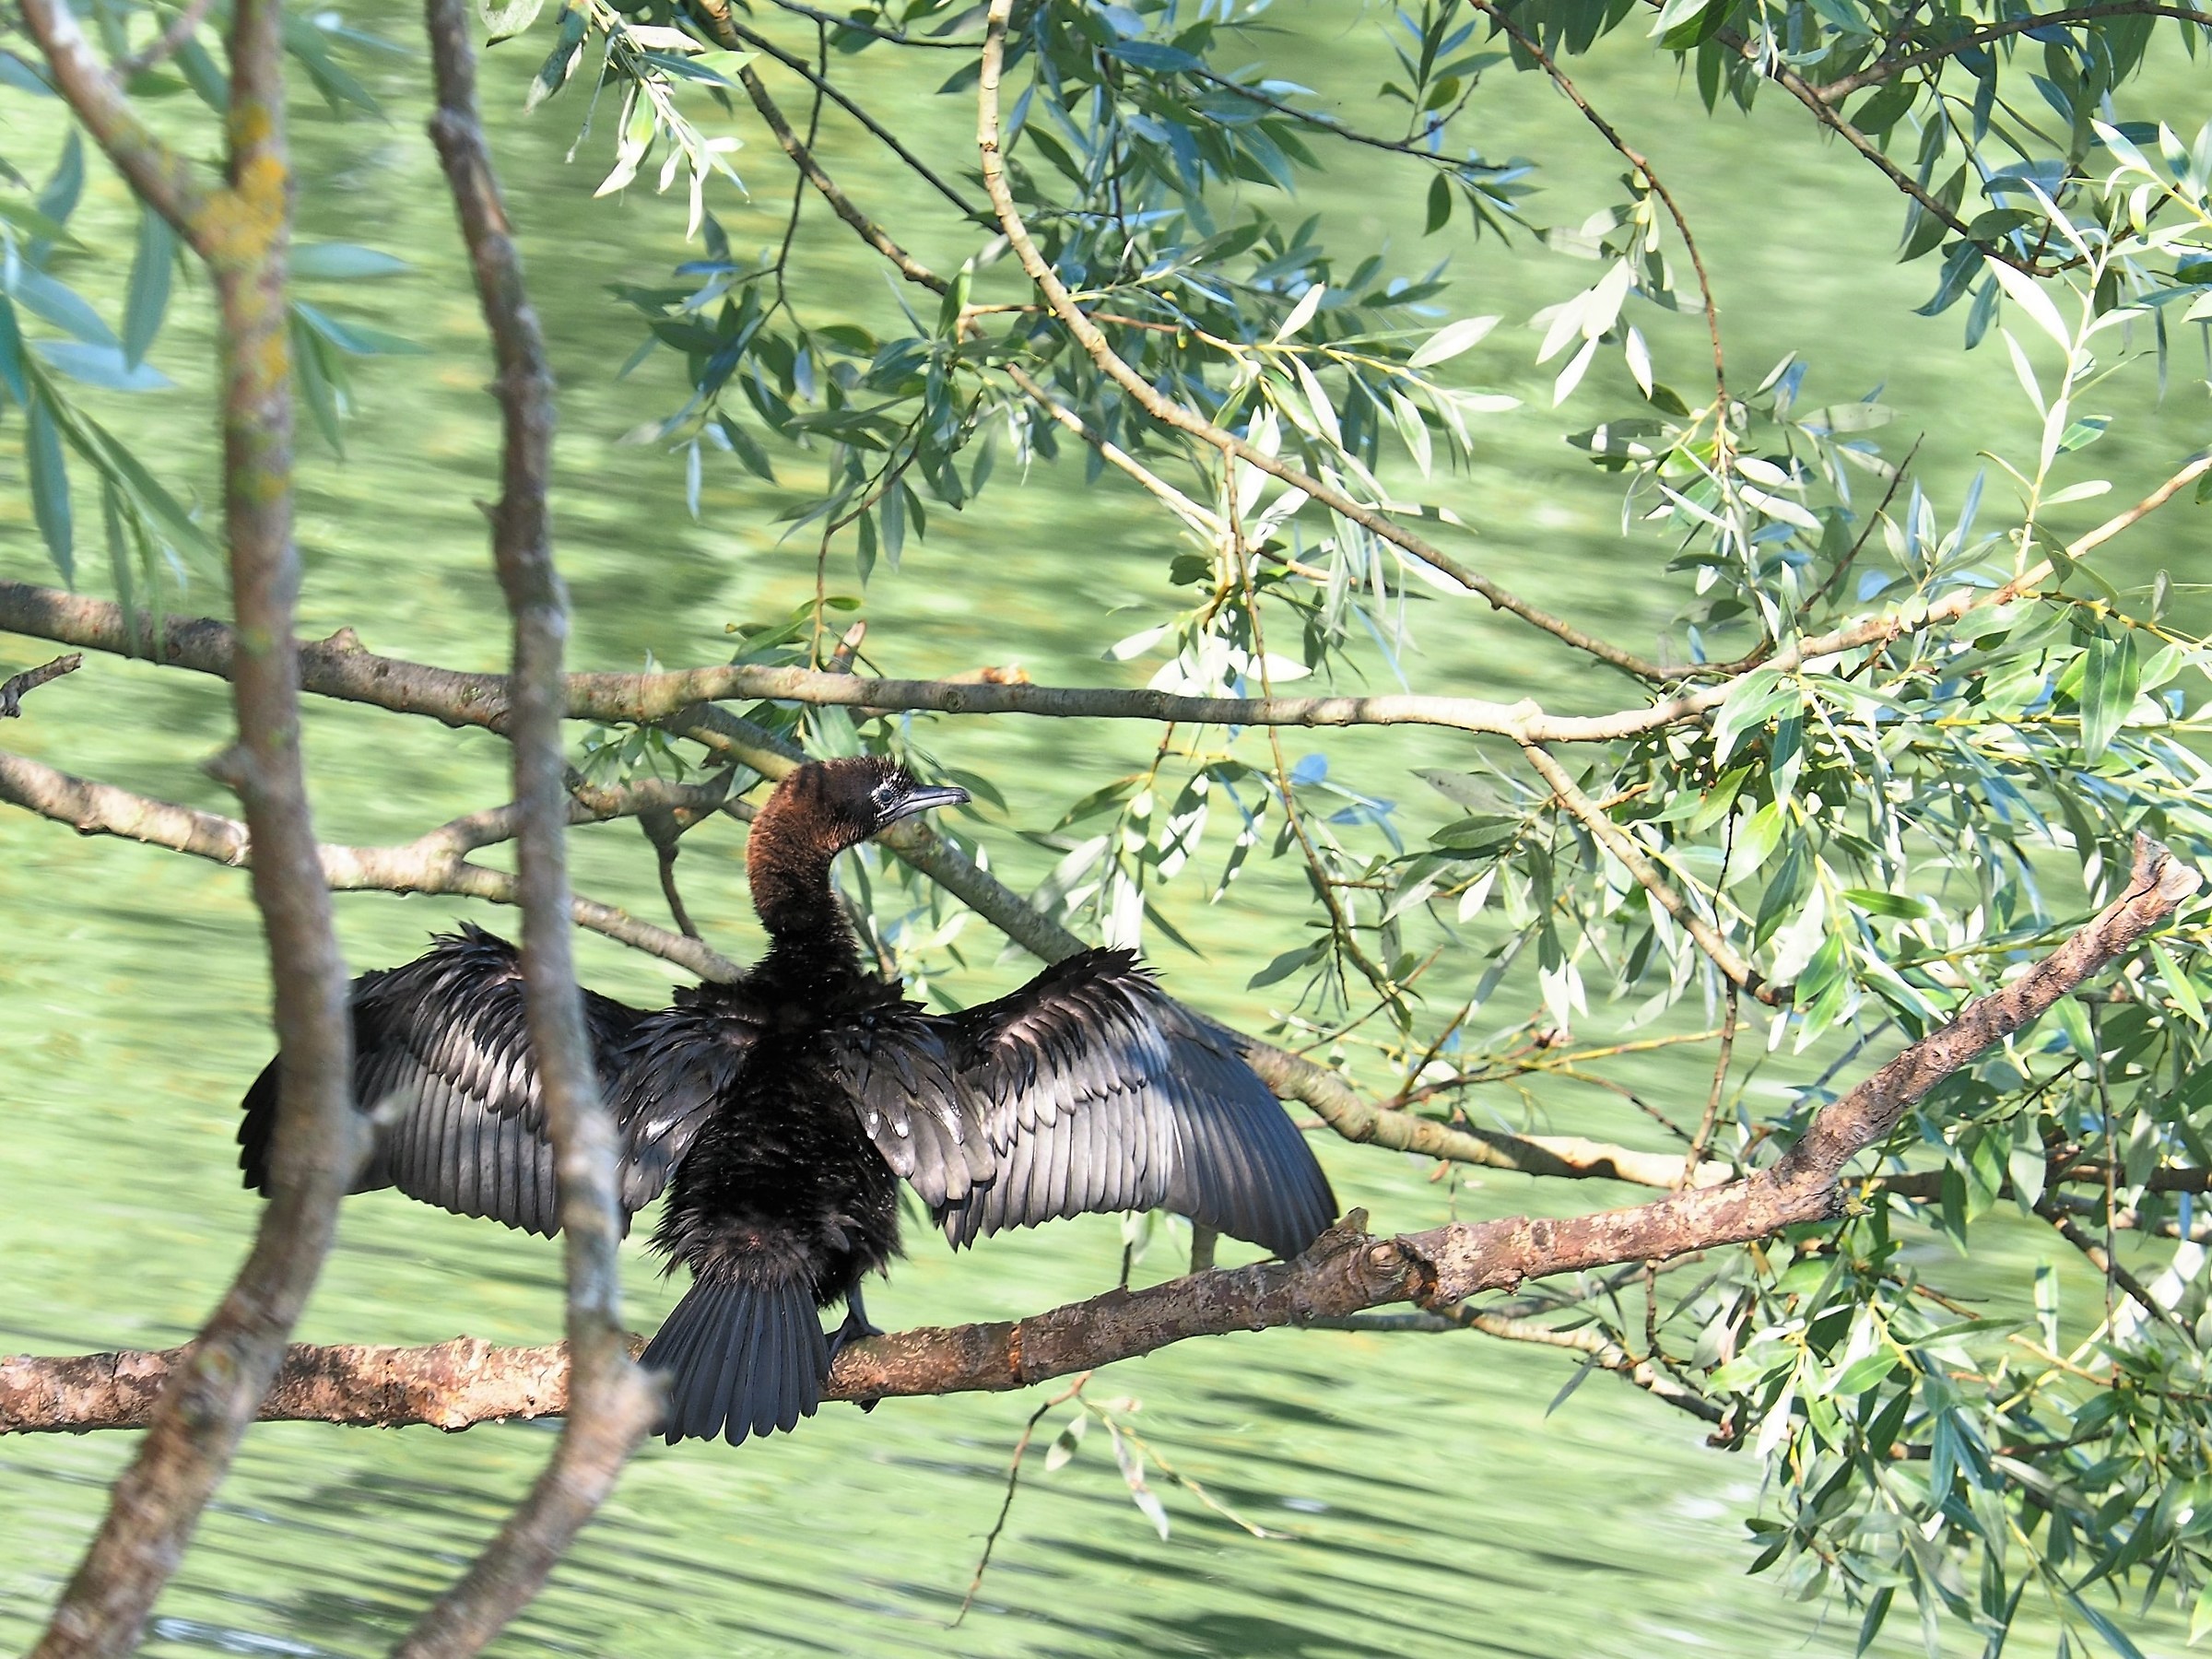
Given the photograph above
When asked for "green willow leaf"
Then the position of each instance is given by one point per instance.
(147, 302)
(50, 485)
(2110, 675)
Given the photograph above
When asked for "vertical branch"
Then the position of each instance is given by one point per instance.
(207, 1402)
(611, 1404)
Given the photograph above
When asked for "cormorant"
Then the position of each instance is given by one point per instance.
(781, 1112)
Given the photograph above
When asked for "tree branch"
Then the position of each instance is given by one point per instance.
(17, 687)
(1170, 413)
(161, 178)
(802, 159)
(167, 44)
(1617, 841)
(1887, 68)
(723, 25)
(613, 1404)
(196, 1424)
(455, 1384)
(433, 863)
(342, 668)
(1606, 130)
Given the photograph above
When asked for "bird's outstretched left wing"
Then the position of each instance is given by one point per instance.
(1098, 1091)
(442, 1061)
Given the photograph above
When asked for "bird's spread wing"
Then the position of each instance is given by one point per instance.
(1097, 1091)
(675, 1064)
(901, 1070)
(442, 1062)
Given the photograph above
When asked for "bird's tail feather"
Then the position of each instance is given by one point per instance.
(257, 1129)
(740, 1359)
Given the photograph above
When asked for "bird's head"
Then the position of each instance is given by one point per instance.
(816, 813)
(832, 805)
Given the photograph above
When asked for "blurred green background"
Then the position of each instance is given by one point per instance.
(1428, 1502)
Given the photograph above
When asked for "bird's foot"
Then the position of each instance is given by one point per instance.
(857, 1328)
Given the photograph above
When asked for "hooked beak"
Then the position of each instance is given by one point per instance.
(927, 799)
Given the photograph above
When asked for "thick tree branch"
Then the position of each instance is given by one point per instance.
(196, 1424)
(612, 1404)
(1171, 414)
(454, 1384)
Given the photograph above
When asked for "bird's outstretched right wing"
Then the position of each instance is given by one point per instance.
(1098, 1091)
(442, 1063)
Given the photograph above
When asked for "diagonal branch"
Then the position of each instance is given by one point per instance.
(1170, 413)
(1622, 846)
(15, 686)
(160, 177)
(1607, 131)
(1973, 39)
(455, 1384)
(802, 159)
(717, 18)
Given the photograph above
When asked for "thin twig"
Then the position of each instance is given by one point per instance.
(171, 42)
(1635, 159)
(1172, 414)
(1617, 841)
(723, 25)
(1886, 66)
(14, 688)
(1005, 1507)
(1704, 1139)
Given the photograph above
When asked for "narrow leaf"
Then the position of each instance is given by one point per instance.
(151, 269)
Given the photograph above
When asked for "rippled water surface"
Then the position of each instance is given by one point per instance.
(1425, 1502)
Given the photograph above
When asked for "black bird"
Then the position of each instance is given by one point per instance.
(781, 1112)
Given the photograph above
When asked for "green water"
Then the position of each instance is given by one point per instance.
(1429, 1504)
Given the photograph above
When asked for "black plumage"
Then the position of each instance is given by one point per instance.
(781, 1112)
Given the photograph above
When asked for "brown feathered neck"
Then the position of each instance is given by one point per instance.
(816, 813)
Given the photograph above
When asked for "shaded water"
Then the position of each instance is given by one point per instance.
(1429, 1504)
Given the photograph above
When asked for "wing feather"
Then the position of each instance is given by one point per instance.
(1094, 1090)
(900, 1068)
(442, 1063)
(671, 1070)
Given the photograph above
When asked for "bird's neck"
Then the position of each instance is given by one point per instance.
(811, 947)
